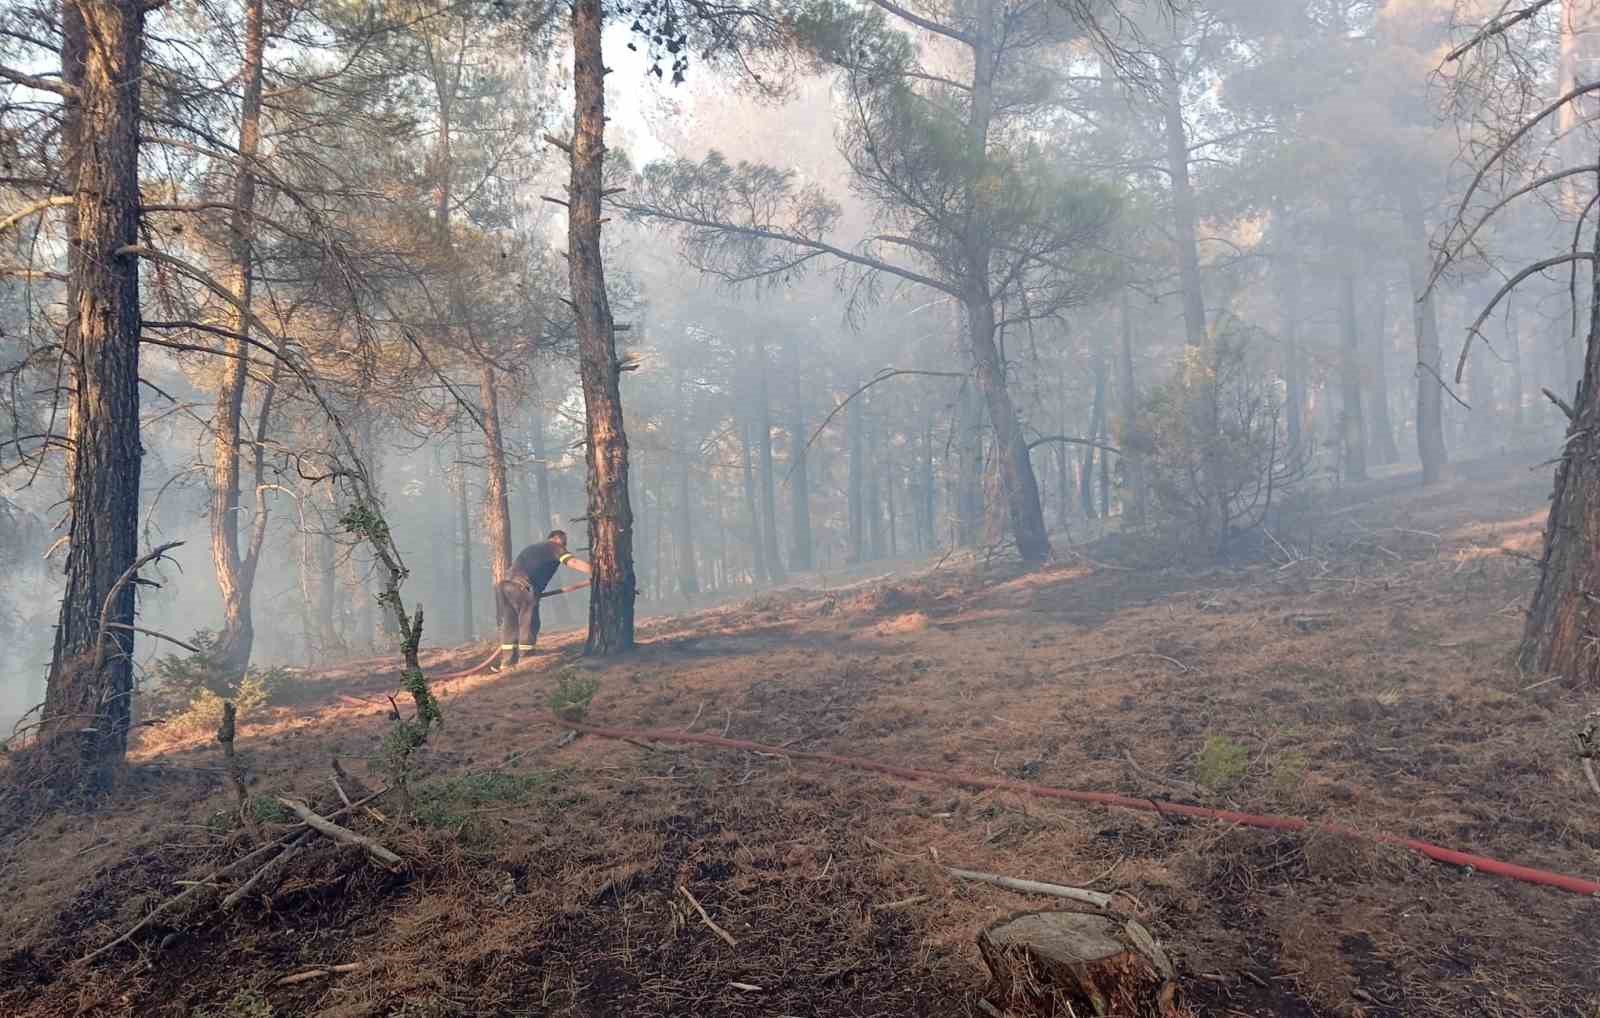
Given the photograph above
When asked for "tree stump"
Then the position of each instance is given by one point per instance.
(1079, 963)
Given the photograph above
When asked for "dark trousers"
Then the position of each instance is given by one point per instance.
(518, 610)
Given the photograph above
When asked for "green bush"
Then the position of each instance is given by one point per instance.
(450, 802)
(1221, 764)
(190, 689)
(572, 695)
(1215, 443)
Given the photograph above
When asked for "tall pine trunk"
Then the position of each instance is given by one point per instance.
(1425, 326)
(1019, 486)
(469, 622)
(1352, 421)
(802, 558)
(968, 449)
(1563, 626)
(769, 483)
(855, 484)
(496, 495)
(613, 585)
(758, 547)
(1384, 449)
(102, 61)
(683, 516)
(1183, 207)
(235, 571)
(1128, 393)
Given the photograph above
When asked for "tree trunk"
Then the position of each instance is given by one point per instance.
(871, 494)
(1425, 326)
(328, 589)
(1078, 963)
(1352, 422)
(769, 483)
(758, 559)
(929, 534)
(683, 533)
(1384, 449)
(1132, 462)
(1289, 327)
(236, 572)
(1514, 330)
(969, 470)
(544, 520)
(801, 555)
(1063, 455)
(102, 58)
(856, 484)
(1097, 423)
(469, 627)
(496, 495)
(612, 587)
(1563, 624)
(1019, 487)
(1183, 207)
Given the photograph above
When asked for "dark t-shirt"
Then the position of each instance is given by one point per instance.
(539, 562)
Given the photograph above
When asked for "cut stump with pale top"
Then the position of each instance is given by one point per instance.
(1079, 963)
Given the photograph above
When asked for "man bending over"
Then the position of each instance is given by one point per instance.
(518, 595)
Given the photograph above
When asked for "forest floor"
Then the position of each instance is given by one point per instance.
(1361, 672)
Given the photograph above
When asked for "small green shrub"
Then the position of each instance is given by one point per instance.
(450, 802)
(190, 689)
(572, 695)
(1288, 775)
(1221, 764)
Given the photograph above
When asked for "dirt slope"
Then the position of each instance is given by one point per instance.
(1368, 681)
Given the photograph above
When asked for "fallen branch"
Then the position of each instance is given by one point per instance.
(310, 974)
(713, 927)
(889, 906)
(325, 826)
(208, 882)
(267, 875)
(1588, 772)
(1095, 898)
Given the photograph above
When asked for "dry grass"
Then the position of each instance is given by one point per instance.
(1365, 672)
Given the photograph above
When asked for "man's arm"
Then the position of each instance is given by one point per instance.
(572, 561)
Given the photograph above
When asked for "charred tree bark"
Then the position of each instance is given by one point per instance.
(769, 483)
(102, 61)
(1384, 449)
(1079, 963)
(235, 571)
(496, 495)
(1352, 421)
(1183, 206)
(613, 585)
(1425, 325)
(1562, 636)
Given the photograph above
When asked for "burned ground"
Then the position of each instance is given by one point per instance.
(1361, 673)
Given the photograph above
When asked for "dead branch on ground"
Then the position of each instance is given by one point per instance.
(332, 830)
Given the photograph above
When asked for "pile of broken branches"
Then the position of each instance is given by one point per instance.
(269, 862)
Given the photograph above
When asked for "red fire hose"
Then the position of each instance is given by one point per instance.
(1275, 823)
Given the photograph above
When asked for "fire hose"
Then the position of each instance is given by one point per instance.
(1471, 862)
